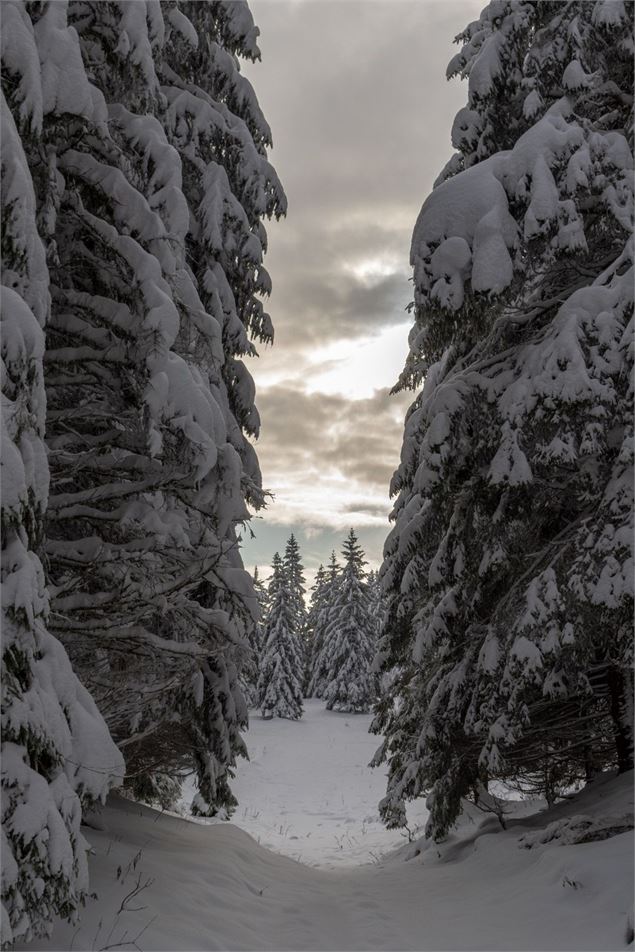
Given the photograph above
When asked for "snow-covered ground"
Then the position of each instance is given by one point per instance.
(307, 790)
(165, 883)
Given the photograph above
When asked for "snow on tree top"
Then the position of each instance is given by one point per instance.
(239, 28)
(609, 13)
(18, 207)
(20, 58)
(465, 230)
(65, 85)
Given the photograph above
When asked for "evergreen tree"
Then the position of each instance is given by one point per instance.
(348, 651)
(377, 608)
(281, 668)
(321, 604)
(294, 571)
(151, 185)
(251, 668)
(214, 122)
(152, 194)
(317, 594)
(57, 755)
(376, 603)
(136, 180)
(508, 572)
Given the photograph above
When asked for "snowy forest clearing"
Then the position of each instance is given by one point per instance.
(214, 887)
(494, 646)
(308, 792)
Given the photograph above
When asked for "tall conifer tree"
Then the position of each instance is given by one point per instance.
(323, 599)
(317, 595)
(294, 570)
(281, 666)
(137, 179)
(251, 668)
(348, 638)
(156, 254)
(57, 755)
(509, 569)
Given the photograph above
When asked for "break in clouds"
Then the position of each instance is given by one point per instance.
(356, 158)
(317, 438)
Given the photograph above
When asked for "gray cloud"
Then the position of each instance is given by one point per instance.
(311, 433)
(368, 508)
(360, 110)
(328, 307)
(318, 297)
(356, 96)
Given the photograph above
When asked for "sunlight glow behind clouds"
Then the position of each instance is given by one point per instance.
(354, 369)
(327, 501)
(369, 269)
(356, 96)
(360, 368)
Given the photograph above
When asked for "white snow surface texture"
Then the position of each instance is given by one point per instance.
(212, 886)
(307, 790)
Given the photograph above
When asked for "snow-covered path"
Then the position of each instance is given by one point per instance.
(214, 887)
(207, 886)
(307, 790)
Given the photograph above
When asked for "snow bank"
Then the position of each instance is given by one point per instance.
(214, 887)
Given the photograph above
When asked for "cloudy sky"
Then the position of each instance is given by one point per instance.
(356, 95)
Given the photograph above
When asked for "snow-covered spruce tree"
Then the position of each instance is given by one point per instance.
(312, 616)
(281, 668)
(262, 594)
(348, 639)
(57, 756)
(251, 667)
(153, 189)
(509, 570)
(214, 121)
(322, 600)
(376, 603)
(294, 571)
